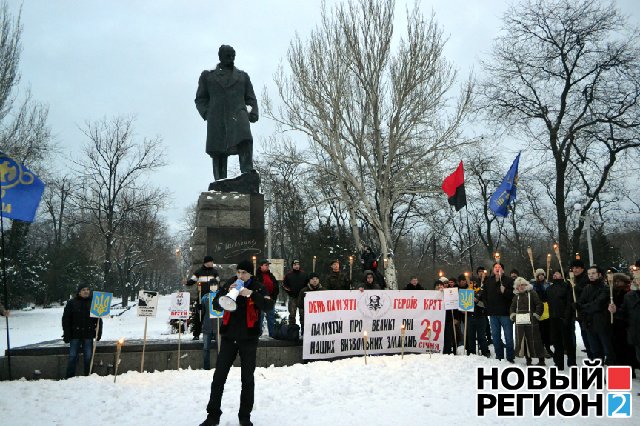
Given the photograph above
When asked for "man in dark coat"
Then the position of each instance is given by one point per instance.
(336, 279)
(580, 281)
(414, 284)
(497, 294)
(593, 309)
(266, 278)
(239, 333)
(293, 282)
(79, 329)
(221, 99)
(312, 285)
(206, 279)
(562, 316)
(369, 282)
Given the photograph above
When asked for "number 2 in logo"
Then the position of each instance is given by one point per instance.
(619, 404)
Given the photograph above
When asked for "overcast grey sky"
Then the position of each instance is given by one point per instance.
(89, 59)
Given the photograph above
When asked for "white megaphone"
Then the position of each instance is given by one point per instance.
(228, 301)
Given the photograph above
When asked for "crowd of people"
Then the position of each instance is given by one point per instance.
(531, 319)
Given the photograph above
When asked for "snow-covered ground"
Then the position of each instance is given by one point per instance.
(419, 389)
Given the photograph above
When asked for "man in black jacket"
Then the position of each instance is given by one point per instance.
(580, 280)
(206, 277)
(414, 284)
(562, 316)
(593, 309)
(497, 294)
(294, 281)
(79, 329)
(239, 332)
(337, 280)
(265, 277)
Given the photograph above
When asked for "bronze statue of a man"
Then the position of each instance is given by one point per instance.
(221, 99)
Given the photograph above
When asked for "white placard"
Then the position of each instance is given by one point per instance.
(334, 322)
(451, 298)
(147, 303)
(277, 268)
(180, 305)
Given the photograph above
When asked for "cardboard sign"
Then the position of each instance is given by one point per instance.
(100, 304)
(451, 298)
(335, 322)
(180, 305)
(147, 303)
(466, 303)
(277, 268)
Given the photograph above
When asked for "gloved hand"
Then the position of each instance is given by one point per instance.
(253, 117)
(536, 316)
(66, 339)
(513, 317)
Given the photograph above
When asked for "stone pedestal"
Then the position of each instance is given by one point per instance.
(229, 227)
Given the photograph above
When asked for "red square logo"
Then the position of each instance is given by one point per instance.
(619, 378)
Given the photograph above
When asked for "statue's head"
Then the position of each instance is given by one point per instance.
(227, 55)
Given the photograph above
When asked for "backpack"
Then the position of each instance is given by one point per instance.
(287, 332)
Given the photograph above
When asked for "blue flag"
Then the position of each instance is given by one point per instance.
(20, 190)
(506, 192)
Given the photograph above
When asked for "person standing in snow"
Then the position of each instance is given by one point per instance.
(79, 329)
(239, 333)
(294, 281)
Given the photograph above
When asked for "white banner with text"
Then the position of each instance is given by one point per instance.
(335, 322)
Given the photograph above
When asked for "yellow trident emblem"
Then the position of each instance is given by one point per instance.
(466, 299)
(101, 304)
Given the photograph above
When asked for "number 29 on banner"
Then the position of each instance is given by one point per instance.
(437, 328)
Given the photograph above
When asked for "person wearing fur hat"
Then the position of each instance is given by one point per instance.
(239, 333)
(312, 285)
(79, 329)
(593, 309)
(526, 309)
(293, 282)
(561, 320)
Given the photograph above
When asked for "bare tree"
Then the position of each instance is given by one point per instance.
(112, 170)
(378, 107)
(565, 76)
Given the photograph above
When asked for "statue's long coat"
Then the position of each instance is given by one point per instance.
(221, 99)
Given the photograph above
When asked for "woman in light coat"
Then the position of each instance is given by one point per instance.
(526, 309)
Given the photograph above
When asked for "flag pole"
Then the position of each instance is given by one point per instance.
(4, 281)
(466, 208)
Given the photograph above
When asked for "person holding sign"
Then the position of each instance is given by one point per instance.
(239, 333)
(206, 277)
(79, 329)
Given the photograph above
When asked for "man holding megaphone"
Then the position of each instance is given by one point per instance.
(242, 298)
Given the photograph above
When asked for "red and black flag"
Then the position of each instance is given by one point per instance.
(453, 186)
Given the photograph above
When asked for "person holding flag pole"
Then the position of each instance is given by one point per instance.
(20, 194)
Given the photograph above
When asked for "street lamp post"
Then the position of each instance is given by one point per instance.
(587, 223)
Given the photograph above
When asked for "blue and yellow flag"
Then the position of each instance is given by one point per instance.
(20, 190)
(506, 192)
